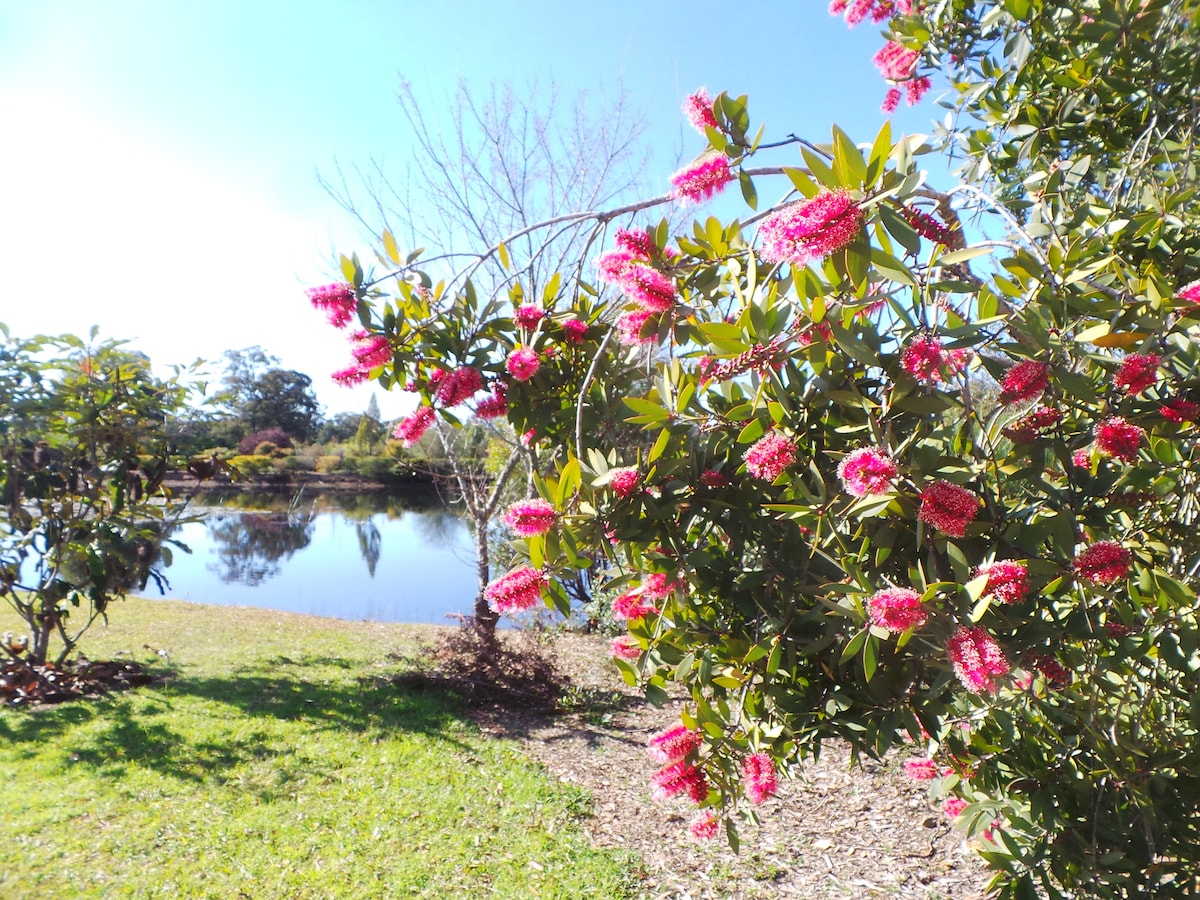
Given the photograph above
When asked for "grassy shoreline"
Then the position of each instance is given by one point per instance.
(278, 760)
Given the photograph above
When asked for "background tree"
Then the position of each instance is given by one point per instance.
(259, 395)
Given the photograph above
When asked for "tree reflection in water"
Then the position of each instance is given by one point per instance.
(250, 545)
(370, 543)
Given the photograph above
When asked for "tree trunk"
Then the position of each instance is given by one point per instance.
(485, 617)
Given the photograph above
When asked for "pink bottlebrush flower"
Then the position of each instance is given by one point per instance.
(658, 586)
(948, 507)
(680, 778)
(700, 179)
(611, 265)
(810, 229)
(891, 100)
(638, 243)
(1119, 439)
(370, 351)
(706, 826)
(495, 405)
(1055, 673)
(1179, 410)
(351, 375)
(915, 89)
(698, 108)
(631, 325)
(529, 437)
(769, 456)
(711, 478)
(1104, 562)
(922, 222)
(1081, 458)
(574, 331)
(1024, 381)
(673, 745)
(954, 806)
(409, 429)
(920, 769)
(896, 62)
(1191, 293)
(528, 315)
(625, 647)
(1007, 580)
(1116, 630)
(529, 518)
(624, 481)
(978, 660)
(337, 301)
(896, 609)
(758, 777)
(1137, 372)
(1030, 426)
(924, 358)
(517, 591)
(867, 470)
(630, 606)
(457, 386)
(649, 288)
(523, 363)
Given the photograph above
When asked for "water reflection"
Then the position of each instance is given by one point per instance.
(404, 558)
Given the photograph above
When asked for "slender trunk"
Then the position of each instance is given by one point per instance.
(485, 617)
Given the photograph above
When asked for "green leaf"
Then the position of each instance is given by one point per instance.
(820, 169)
(390, 248)
(959, 256)
(801, 181)
(502, 251)
(751, 433)
(847, 159)
(749, 194)
(647, 410)
(881, 151)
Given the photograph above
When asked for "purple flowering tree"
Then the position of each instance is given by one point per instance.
(917, 465)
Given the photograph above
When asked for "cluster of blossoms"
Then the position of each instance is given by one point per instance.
(517, 591)
(879, 10)
(769, 456)
(948, 507)
(1007, 580)
(978, 660)
(758, 777)
(679, 775)
(529, 518)
(454, 386)
(1031, 425)
(922, 769)
(630, 266)
(810, 229)
(370, 351)
(928, 361)
(1179, 410)
(625, 647)
(1137, 372)
(632, 605)
(896, 609)
(928, 226)
(898, 63)
(410, 429)
(1104, 562)
(523, 363)
(1119, 439)
(574, 331)
(700, 179)
(867, 470)
(759, 358)
(495, 404)
(624, 481)
(1024, 381)
(528, 316)
(698, 109)
(337, 301)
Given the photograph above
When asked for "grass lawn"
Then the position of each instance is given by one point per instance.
(278, 762)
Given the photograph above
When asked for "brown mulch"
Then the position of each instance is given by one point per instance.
(23, 684)
(834, 831)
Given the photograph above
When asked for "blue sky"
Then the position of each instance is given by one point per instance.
(160, 157)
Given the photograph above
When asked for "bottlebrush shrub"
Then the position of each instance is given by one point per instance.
(1062, 715)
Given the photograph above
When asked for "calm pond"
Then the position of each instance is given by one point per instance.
(376, 557)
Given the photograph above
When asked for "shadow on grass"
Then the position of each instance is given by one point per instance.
(219, 728)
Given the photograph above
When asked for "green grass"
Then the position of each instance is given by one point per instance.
(278, 761)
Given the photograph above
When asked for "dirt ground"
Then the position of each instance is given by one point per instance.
(833, 831)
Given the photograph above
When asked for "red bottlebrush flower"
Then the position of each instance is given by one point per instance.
(891, 100)
(625, 647)
(337, 301)
(370, 351)
(896, 609)
(631, 325)
(810, 229)
(630, 606)
(924, 358)
(495, 405)
(649, 288)
(1081, 458)
(574, 331)
(978, 660)
(658, 586)
(639, 244)
(698, 108)
(523, 363)
(1116, 630)
(1104, 562)
(954, 806)
(351, 375)
(517, 591)
(528, 315)
(1024, 381)
(680, 778)
(713, 479)
(673, 745)
(923, 223)
(867, 470)
(1056, 674)
(915, 89)
(1137, 372)
(409, 429)
(769, 456)
(624, 481)
(948, 507)
(920, 769)
(758, 777)
(530, 518)
(1119, 439)
(611, 265)
(1029, 426)
(705, 826)
(457, 386)
(1007, 580)
(1191, 292)
(700, 179)
(1179, 410)
(896, 62)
